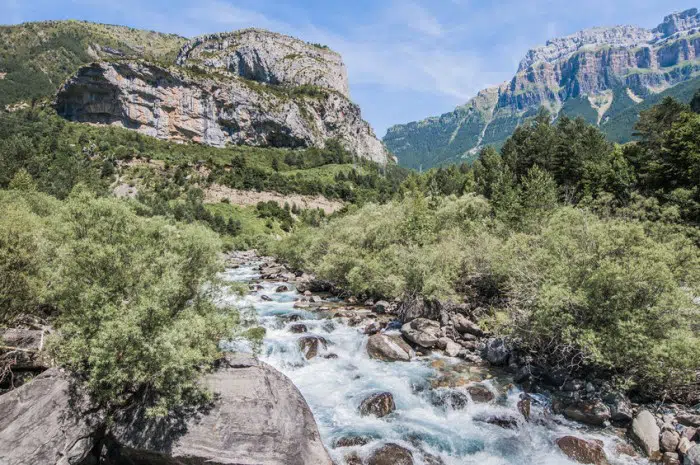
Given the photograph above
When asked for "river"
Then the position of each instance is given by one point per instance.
(433, 431)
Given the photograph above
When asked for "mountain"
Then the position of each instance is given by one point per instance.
(35, 58)
(605, 75)
(250, 87)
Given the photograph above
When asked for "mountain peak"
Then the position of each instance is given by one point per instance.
(678, 22)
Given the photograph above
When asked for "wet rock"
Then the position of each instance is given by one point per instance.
(454, 399)
(351, 441)
(372, 328)
(496, 352)
(352, 459)
(330, 356)
(465, 326)
(669, 441)
(380, 405)
(391, 454)
(480, 393)
(583, 451)
(524, 405)
(388, 348)
(266, 298)
(671, 458)
(282, 288)
(589, 412)
(502, 420)
(430, 459)
(310, 345)
(623, 448)
(298, 328)
(645, 433)
(422, 332)
(451, 348)
(46, 422)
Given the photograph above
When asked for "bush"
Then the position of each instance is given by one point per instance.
(133, 296)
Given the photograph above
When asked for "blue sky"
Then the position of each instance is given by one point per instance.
(406, 59)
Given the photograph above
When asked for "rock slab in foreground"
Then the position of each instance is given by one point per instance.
(258, 417)
(40, 423)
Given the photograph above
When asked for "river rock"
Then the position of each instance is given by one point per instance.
(496, 352)
(592, 412)
(391, 454)
(502, 420)
(692, 457)
(480, 393)
(450, 347)
(645, 433)
(388, 348)
(465, 326)
(689, 432)
(351, 441)
(382, 306)
(583, 451)
(266, 298)
(47, 422)
(620, 409)
(669, 441)
(671, 458)
(310, 345)
(298, 328)
(422, 332)
(282, 288)
(451, 398)
(688, 419)
(380, 405)
(257, 416)
(684, 445)
(353, 458)
(419, 308)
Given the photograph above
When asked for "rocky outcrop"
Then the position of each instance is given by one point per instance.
(47, 421)
(214, 109)
(268, 57)
(257, 416)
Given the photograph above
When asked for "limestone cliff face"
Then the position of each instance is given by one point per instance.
(250, 87)
(177, 104)
(268, 57)
(593, 73)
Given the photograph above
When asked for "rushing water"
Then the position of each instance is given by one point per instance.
(334, 388)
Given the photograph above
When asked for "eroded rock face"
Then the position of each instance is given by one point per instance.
(46, 421)
(258, 416)
(179, 105)
(268, 57)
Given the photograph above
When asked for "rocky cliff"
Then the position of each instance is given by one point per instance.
(595, 73)
(247, 88)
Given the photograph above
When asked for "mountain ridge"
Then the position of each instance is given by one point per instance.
(595, 73)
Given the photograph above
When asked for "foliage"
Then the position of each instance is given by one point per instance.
(132, 297)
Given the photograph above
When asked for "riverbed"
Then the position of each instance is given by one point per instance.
(335, 382)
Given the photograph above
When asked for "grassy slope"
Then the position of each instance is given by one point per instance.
(38, 57)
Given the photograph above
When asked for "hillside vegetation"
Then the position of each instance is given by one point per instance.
(35, 58)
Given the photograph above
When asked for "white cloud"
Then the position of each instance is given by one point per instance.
(415, 17)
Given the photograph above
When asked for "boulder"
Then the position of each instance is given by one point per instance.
(353, 458)
(451, 348)
(480, 393)
(465, 326)
(382, 306)
(298, 328)
(671, 458)
(496, 352)
(422, 332)
(689, 419)
(391, 454)
(419, 308)
(692, 457)
(620, 408)
(669, 441)
(684, 445)
(257, 416)
(388, 348)
(583, 451)
(645, 432)
(47, 422)
(592, 412)
(380, 405)
(282, 288)
(311, 345)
